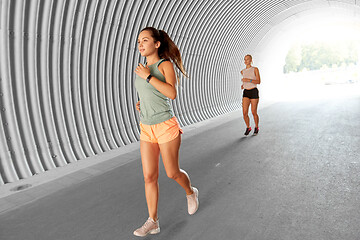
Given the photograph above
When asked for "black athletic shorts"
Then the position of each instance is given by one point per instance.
(252, 93)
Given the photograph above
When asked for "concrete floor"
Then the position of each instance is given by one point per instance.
(298, 179)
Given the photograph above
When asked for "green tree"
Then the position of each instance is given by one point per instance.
(293, 59)
(319, 55)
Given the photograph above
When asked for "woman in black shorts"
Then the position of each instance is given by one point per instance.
(251, 77)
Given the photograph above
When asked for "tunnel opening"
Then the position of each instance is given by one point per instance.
(311, 55)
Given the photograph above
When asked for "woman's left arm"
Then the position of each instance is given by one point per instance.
(167, 69)
(257, 75)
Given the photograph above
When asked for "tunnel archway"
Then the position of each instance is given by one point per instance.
(325, 25)
(66, 71)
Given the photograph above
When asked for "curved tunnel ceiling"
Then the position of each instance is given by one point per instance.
(66, 73)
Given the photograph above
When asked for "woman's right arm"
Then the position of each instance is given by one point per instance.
(242, 85)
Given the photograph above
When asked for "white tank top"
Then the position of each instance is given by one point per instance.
(249, 73)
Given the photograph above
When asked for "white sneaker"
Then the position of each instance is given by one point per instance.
(193, 201)
(149, 227)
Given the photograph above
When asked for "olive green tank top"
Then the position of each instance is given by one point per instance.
(154, 106)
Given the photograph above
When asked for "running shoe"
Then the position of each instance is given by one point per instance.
(149, 227)
(193, 201)
(256, 131)
(248, 130)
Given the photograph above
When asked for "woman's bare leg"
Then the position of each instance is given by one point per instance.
(245, 107)
(254, 106)
(170, 155)
(150, 162)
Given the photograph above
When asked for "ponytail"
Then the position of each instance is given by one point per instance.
(168, 49)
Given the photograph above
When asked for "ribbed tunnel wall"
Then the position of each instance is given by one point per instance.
(66, 73)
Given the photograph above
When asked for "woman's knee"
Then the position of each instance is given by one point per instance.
(173, 175)
(150, 178)
(254, 112)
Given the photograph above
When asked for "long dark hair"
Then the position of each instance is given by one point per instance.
(168, 49)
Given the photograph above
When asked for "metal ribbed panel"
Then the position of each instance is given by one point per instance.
(66, 72)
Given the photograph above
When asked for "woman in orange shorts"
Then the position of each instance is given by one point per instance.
(160, 131)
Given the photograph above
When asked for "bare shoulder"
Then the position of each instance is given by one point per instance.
(165, 65)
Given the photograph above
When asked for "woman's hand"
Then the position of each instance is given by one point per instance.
(142, 71)
(138, 106)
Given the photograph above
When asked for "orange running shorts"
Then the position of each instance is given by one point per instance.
(162, 132)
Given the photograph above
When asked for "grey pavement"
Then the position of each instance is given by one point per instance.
(298, 179)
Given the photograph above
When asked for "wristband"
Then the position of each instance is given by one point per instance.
(148, 78)
(250, 80)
